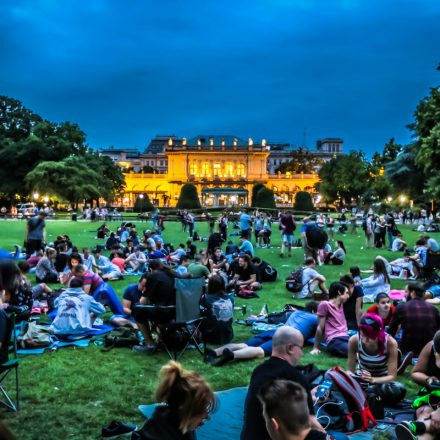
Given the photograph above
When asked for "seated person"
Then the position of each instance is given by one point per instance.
(265, 233)
(246, 275)
(76, 310)
(431, 244)
(128, 249)
(39, 291)
(137, 260)
(264, 270)
(217, 327)
(353, 306)
(73, 260)
(191, 249)
(219, 261)
(338, 256)
(215, 240)
(376, 283)
(153, 254)
(34, 259)
(45, 271)
(231, 248)
(417, 319)
(187, 399)
(311, 280)
(132, 296)
(420, 256)
(305, 321)
(159, 291)
(398, 244)
(332, 326)
(87, 258)
(182, 268)
(119, 260)
(372, 357)
(197, 269)
(102, 232)
(383, 308)
(61, 258)
(402, 267)
(111, 241)
(175, 256)
(105, 267)
(280, 399)
(246, 247)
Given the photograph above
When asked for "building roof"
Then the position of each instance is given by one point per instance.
(205, 140)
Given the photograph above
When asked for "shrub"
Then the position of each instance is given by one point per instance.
(188, 198)
(303, 202)
(265, 199)
(255, 190)
(143, 205)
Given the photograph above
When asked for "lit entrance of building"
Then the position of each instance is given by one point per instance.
(228, 196)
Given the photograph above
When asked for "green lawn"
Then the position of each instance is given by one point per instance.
(72, 393)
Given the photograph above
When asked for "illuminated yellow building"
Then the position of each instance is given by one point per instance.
(223, 168)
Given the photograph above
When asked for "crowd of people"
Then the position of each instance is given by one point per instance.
(379, 341)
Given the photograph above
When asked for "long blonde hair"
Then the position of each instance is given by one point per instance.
(186, 394)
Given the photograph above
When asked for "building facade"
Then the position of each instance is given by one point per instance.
(223, 168)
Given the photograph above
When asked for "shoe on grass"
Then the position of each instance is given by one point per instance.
(209, 356)
(227, 356)
(406, 360)
(117, 429)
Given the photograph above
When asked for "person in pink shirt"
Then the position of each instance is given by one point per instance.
(119, 261)
(332, 326)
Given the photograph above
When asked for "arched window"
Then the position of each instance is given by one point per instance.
(193, 169)
(241, 171)
(217, 169)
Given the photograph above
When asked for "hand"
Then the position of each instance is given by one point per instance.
(315, 351)
(431, 379)
(366, 376)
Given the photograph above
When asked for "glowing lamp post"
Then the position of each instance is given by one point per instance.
(35, 196)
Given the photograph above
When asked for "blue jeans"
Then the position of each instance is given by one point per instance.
(339, 346)
(390, 238)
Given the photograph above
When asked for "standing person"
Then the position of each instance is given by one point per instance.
(287, 226)
(390, 228)
(35, 233)
(188, 401)
(368, 226)
(258, 228)
(332, 324)
(223, 226)
(379, 232)
(287, 349)
(245, 225)
(418, 320)
(330, 224)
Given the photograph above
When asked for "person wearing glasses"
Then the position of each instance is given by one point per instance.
(372, 358)
(287, 349)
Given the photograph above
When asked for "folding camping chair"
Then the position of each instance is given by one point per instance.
(176, 336)
(429, 271)
(10, 365)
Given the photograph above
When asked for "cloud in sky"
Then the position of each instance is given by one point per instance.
(126, 71)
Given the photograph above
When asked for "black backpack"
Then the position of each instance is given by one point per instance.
(267, 272)
(120, 337)
(294, 281)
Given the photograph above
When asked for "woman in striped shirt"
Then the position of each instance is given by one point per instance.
(375, 353)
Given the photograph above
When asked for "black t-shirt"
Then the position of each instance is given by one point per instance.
(61, 262)
(132, 294)
(350, 308)
(254, 427)
(5, 330)
(215, 240)
(160, 289)
(245, 273)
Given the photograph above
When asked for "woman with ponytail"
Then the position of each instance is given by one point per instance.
(186, 402)
(375, 353)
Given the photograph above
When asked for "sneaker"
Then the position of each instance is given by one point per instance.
(406, 360)
(98, 321)
(209, 356)
(145, 348)
(227, 356)
(117, 429)
(404, 431)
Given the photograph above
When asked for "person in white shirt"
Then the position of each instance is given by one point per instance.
(88, 259)
(398, 244)
(311, 280)
(377, 283)
(106, 268)
(137, 260)
(400, 265)
(178, 254)
(182, 268)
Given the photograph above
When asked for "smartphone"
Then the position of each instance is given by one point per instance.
(382, 427)
(323, 389)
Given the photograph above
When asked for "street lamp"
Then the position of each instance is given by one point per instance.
(389, 198)
(46, 198)
(402, 198)
(35, 196)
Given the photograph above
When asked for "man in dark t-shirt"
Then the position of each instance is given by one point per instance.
(245, 275)
(287, 345)
(35, 233)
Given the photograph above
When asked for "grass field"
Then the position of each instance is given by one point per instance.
(72, 393)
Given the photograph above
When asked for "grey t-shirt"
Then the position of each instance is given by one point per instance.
(36, 228)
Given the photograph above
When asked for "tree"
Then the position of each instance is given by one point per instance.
(147, 169)
(344, 177)
(303, 201)
(255, 190)
(70, 179)
(302, 161)
(188, 198)
(265, 199)
(143, 204)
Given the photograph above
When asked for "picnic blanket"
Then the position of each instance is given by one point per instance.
(227, 421)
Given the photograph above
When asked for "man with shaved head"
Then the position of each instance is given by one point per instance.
(287, 346)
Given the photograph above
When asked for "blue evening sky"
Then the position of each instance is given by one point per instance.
(126, 70)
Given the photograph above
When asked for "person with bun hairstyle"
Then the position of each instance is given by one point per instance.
(188, 400)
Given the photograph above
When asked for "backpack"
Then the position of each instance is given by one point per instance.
(121, 337)
(246, 293)
(347, 406)
(267, 272)
(294, 281)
